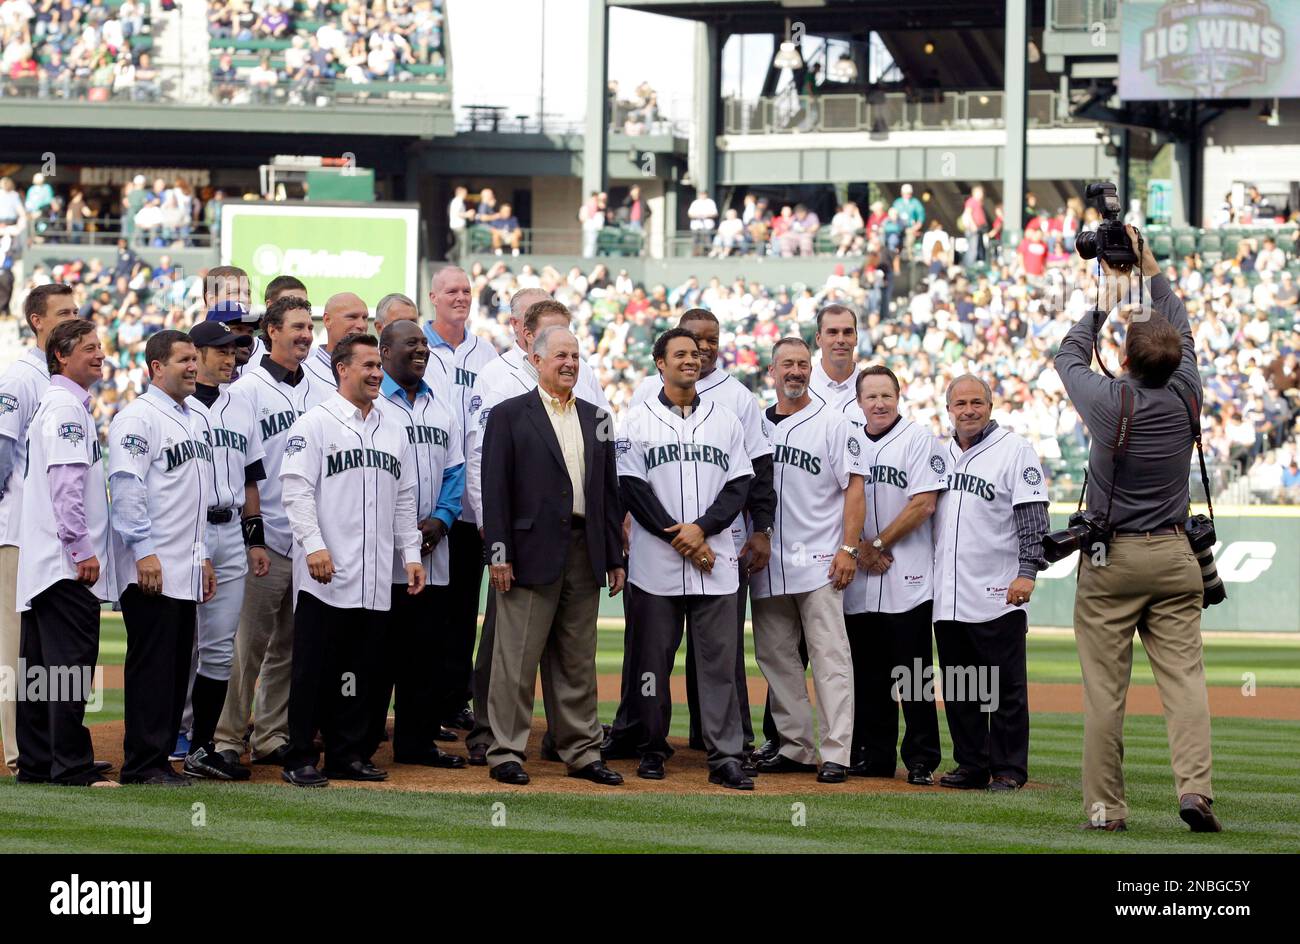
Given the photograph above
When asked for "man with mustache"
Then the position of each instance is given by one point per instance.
(349, 481)
(799, 595)
(277, 391)
(160, 477)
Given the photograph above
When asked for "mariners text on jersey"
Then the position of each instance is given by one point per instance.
(185, 450)
(276, 423)
(965, 482)
(791, 455)
(656, 455)
(347, 459)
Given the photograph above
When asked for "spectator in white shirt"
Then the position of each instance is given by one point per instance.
(731, 235)
(1270, 258)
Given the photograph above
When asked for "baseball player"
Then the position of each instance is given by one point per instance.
(231, 429)
(508, 376)
(279, 287)
(888, 605)
(277, 391)
(989, 527)
(835, 373)
(344, 314)
(417, 621)
(819, 514)
(226, 289)
(752, 537)
(395, 307)
(66, 569)
(462, 355)
(21, 388)
(160, 477)
(351, 459)
(684, 473)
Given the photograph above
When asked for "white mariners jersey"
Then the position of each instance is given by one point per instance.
(811, 453)
(462, 367)
(21, 389)
(503, 378)
(895, 468)
(358, 472)
(433, 433)
(161, 443)
(977, 548)
(276, 407)
(62, 432)
(687, 463)
(231, 430)
(721, 387)
(317, 366)
(842, 397)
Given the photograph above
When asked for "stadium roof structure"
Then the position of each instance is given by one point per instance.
(834, 16)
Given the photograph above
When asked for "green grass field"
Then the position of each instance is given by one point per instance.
(1257, 766)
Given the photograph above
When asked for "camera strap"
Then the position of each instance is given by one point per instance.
(1127, 404)
(1193, 408)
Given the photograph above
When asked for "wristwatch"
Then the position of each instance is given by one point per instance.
(768, 531)
(878, 544)
(849, 550)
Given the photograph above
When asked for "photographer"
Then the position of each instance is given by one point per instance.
(1137, 569)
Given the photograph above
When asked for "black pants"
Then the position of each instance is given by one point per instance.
(883, 643)
(993, 741)
(156, 677)
(330, 689)
(455, 658)
(407, 651)
(742, 681)
(648, 666)
(60, 637)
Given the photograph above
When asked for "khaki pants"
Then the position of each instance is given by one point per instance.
(10, 633)
(777, 623)
(1151, 583)
(553, 624)
(263, 647)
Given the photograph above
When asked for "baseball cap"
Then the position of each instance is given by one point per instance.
(217, 334)
(229, 310)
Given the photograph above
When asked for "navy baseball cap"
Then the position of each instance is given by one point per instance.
(217, 334)
(228, 311)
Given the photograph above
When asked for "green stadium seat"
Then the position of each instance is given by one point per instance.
(480, 239)
(609, 242)
(1211, 247)
(632, 242)
(1162, 246)
(1184, 242)
(823, 244)
(1229, 241)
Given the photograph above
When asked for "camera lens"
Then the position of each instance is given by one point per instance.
(1086, 245)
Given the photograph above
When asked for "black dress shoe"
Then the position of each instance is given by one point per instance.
(209, 765)
(433, 757)
(1004, 785)
(597, 772)
(780, 764)
(862, 768)
(731, 776)
(769, 749)
(1194, 810)
(510, 772)
(445, 734)
(307, 776)
(463, 719)
(548, 751)
(274, 759)
(357, 770)
(748, 766)
(101, 766)
(478, 755)
(614, 750)
(651, 767)
(965, 778)
(162, 777)
(232, 759)
(832, 772)
(919, 775)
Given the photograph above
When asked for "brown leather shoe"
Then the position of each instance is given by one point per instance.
(1110, 826)
(1196, 813)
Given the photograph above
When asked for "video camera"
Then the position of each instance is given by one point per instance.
(1110, 241)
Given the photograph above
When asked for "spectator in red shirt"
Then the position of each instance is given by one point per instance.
(1033, 252)
(975, 223)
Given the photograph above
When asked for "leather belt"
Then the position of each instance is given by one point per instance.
(578, 523)
(221, 515)
(1163, 529)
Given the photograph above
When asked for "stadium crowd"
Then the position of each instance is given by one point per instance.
(1002, 320)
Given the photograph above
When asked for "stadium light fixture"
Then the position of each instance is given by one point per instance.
(787, 57)
(929, 48)
(844, 69)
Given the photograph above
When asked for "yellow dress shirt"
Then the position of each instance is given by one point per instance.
(564, 420)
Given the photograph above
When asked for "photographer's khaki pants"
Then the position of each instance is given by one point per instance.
(1151, 583)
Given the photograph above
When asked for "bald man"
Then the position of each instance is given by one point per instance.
(462, 355)
(345, 314)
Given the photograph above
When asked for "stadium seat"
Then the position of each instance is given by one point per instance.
(609, 242)
(1184, 242)
(480, 239)
(1211, 247)
(1162, 246)
(1228, 242)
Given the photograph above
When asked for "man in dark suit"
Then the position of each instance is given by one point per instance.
(553, 532)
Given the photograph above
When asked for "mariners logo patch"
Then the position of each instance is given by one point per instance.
(855, 449)
(135, 445)
(72, 432)
(483, 417)
(621, 446)
(475, 402)
(8, 403)
(295, 445)
(1032, 476)
(937, 465)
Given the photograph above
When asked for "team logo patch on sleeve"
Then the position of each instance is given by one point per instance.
(295, 445)
(72, 432)
(1032, 476)
(475, 402)
(135, 445)
(483, 416)
(622, 446)
(938, 465)
(8, 403)
(855, 449)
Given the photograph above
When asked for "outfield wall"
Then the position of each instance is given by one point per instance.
(1258, 556)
